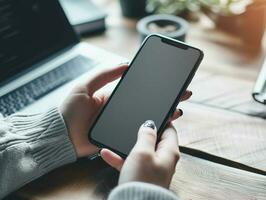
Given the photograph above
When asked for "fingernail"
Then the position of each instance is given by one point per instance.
(149, 124)
(181, 112)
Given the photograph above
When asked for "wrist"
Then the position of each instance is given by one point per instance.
(48, 133)
(68, 129)
(78, 129)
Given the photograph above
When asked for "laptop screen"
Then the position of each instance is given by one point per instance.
(31, 30)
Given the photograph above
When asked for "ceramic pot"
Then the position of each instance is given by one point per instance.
(167, 25)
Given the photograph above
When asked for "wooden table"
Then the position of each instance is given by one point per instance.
(214, 130)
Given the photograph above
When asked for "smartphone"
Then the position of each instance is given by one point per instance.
(150, 89)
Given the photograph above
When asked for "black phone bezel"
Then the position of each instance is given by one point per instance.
(169, 41)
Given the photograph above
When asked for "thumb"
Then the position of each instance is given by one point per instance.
(147, 137)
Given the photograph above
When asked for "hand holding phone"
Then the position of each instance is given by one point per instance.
(150, 89)
(146, 163)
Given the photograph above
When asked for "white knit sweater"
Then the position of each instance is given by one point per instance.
(32, 145)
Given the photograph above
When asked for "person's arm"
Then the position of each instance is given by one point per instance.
(30, 146)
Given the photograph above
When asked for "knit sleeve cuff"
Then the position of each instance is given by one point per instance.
(141, 191)
(47, 137)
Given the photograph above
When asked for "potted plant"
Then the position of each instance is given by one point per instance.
(188, 9)
(236, 17)
(243, 19)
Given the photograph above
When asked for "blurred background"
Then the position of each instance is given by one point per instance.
(229, 31)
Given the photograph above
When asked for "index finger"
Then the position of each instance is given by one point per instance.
(104, 78)
(167, 148)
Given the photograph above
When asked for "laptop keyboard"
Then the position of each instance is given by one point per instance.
(37, 88)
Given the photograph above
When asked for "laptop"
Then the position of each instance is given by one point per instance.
(41, 57)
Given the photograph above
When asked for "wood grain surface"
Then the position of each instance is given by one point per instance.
(200, 179)
(194, 179)
(223, 133)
